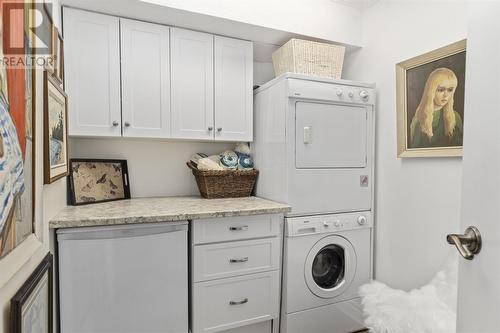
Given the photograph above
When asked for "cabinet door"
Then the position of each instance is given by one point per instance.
(192, 84)
(233, 89)
(145, 79)
(92, 66)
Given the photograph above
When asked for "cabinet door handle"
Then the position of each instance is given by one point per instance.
(240, 228)
(236, 260)
(243, 301)
(127, 124)
(210, 128)
(115, 123)
(219, 129)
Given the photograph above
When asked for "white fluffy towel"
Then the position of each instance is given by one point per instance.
(429, 309)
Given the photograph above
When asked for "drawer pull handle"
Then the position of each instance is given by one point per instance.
(245, 259)
(240, 228)
(243, 301)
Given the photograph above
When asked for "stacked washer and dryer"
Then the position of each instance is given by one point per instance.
(314, 147)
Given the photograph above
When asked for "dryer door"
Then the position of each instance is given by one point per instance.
(330, 136)
(330, 266)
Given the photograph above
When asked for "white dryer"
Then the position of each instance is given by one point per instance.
(326, 259)
(314, 144)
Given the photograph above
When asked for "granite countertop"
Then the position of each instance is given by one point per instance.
(168, 209)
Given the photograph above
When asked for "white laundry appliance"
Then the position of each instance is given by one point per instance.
(314, 147)
(326, 259)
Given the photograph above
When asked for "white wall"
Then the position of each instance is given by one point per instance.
(156, 167)
(18, 265)
(322, 19)
(417, 200)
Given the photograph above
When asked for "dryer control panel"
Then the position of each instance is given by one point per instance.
(331, 223)
(327, 91)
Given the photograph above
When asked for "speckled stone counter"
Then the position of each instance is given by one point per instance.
(168, 209)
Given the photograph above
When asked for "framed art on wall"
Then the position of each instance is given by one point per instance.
(59, 64)
(55, 130)
(31, 306)
(430, 92)
(18, 126)
(98, 180)
(45, 31)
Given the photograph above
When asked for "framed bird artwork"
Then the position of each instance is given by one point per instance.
(98, 180)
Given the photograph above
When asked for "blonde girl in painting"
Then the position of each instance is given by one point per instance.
(436, 123)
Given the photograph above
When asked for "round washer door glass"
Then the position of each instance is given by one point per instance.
(328, 266)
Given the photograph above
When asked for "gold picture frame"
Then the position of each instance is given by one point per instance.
(430, 92)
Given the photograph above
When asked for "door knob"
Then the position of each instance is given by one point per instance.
(468, 244)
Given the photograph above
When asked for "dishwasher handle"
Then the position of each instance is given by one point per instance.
(120, 231)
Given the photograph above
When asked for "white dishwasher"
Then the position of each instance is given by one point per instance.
(126, 278)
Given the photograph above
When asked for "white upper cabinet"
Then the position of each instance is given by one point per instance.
(145, 79)
(136, 79)
(192, 80)
(92, 65)
(233, 89)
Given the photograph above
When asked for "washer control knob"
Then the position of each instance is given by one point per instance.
(362, 220)
(339, 92)
(364, 95)
(337, 224)
(326, 224)
(351, 94)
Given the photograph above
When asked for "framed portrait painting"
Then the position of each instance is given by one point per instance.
(430, 91)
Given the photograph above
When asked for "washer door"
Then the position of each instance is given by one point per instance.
(330, 266)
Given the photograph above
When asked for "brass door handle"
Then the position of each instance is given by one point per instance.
(468, 244)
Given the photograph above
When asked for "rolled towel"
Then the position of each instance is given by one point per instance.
(245, 162)
(229, 160)
(206, 164)
(215, 158)
(196, 157)
(242, 148)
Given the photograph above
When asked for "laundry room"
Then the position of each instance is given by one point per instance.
(265, 166)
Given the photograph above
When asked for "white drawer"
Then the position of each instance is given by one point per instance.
(235, 228)
(215, 261)
(228, 303)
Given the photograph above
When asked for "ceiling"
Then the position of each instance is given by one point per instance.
(360, 4)
(266, 40)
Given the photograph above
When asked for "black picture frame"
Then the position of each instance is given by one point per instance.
(125, 178)
(26, 291)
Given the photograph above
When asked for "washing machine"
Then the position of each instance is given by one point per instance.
(326, 259)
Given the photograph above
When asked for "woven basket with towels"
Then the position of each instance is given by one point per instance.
(224, 183)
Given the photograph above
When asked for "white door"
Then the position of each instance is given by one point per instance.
(92, 66)
(145, 79)
(233, 89)
(192, 76)
(478, 282)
